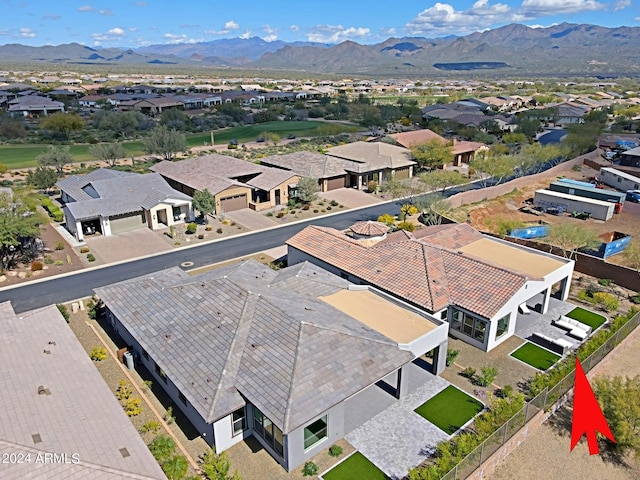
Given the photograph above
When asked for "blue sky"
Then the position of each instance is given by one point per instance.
(131, 23)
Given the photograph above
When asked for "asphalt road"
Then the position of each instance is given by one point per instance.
(64, 289)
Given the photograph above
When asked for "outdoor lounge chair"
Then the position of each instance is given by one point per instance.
(576, 329)
(524, 309)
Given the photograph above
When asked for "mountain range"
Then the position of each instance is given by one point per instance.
(564, 49)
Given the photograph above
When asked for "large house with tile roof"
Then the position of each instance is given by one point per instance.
(59, 418)
(475, 282)
(109, 201)
(281, 355)
(235, 183)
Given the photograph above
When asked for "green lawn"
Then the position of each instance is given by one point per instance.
(536, 356)
(357, 466)
(450, 409)
(24, 156)
(594, 320)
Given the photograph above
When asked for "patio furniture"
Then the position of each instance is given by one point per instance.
(524, 309)
(558, 345)
(576, 329)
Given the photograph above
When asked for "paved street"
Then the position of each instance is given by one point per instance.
(70, 287)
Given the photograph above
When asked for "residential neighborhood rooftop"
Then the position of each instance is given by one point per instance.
(54, 401)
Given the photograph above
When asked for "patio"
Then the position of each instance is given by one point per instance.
(534, 322)
(395, 439)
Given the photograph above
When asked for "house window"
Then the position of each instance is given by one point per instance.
(182, 398)
(160, 372)
(471, 326)
(503, 326)
(264, 427)
(315, 432)
(239, 421)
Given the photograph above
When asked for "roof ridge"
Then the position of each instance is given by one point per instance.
(249, 302)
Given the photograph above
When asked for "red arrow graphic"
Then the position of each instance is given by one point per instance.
(587, 414)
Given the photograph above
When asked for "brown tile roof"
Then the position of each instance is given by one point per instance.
(430, 275)
(409, 139)
(372, 156)
(310, 164)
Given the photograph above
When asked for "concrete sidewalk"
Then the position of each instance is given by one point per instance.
(350, 197)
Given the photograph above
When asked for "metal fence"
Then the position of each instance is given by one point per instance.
(544, 400)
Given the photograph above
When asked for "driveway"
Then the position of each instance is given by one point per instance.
(126, 246)
(250, 219)
(350, 197)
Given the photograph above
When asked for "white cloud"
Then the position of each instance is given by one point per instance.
(621, 5)
(336, 33)
(270, 34)
(26, 33)
(294, 28)
(106, 12)
(246, 34)
(229, 26)
(180, 38)
(85, 8)
(387, 32)
(444, 19)
(109, 36)
(541, 8)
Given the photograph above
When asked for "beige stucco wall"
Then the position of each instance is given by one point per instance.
(231, 191)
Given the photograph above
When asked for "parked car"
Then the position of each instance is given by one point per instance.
(633, 196)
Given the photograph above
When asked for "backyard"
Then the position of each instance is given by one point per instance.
(536, 356)
(450, 409)
(357, 466)
(587, 317)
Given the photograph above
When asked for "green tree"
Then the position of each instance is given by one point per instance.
(528, 126)
(17, 224)
(120, 124)
(571, 236)
(162, 448)
(205, 202)
(63, 123)
(442, 179)
(494, 167)
(217, 466)
(272, 137)
(165, 142)
(108, 152)
(514, 138)
(175, 468)
(56, 157)
(11, 128)
(43, 178)
(620, 402)
(432, 154)
(308, 189)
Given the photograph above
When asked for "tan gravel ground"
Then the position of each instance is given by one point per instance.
(545, 455)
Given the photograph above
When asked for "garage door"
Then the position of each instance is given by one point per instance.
(334, 183)
(126, 223)
(236, 202)
(402, 173)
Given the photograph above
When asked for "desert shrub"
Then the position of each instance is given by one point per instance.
(605, 282)
(310, 469)
(168, 416)
(269, 214)
(208, 228)
(152, 426)
(372, 186)
(335, 450)
(58, 263)
(329, 207)
(48, 260)
(280, 215)
(219, 230)
(608, 301)
(306, 206)
(133, 406)
(91, 257)
(489, 374)
(98, 353)
(191, 228)
(468, 372)
(408, 226)
(333, 203)
(201, 236)
(451, 356)
(387, 218)
(84, 250)
(36, 266)
(124, 391)
(315, 210)
(59, 246)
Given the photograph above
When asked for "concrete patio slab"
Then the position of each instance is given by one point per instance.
(397, 438)
(350, 197)
(533, 322)
(250, 219)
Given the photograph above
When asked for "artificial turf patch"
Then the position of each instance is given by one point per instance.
(450, 409)
(535, 356)
(594, 320)
(354, 467)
